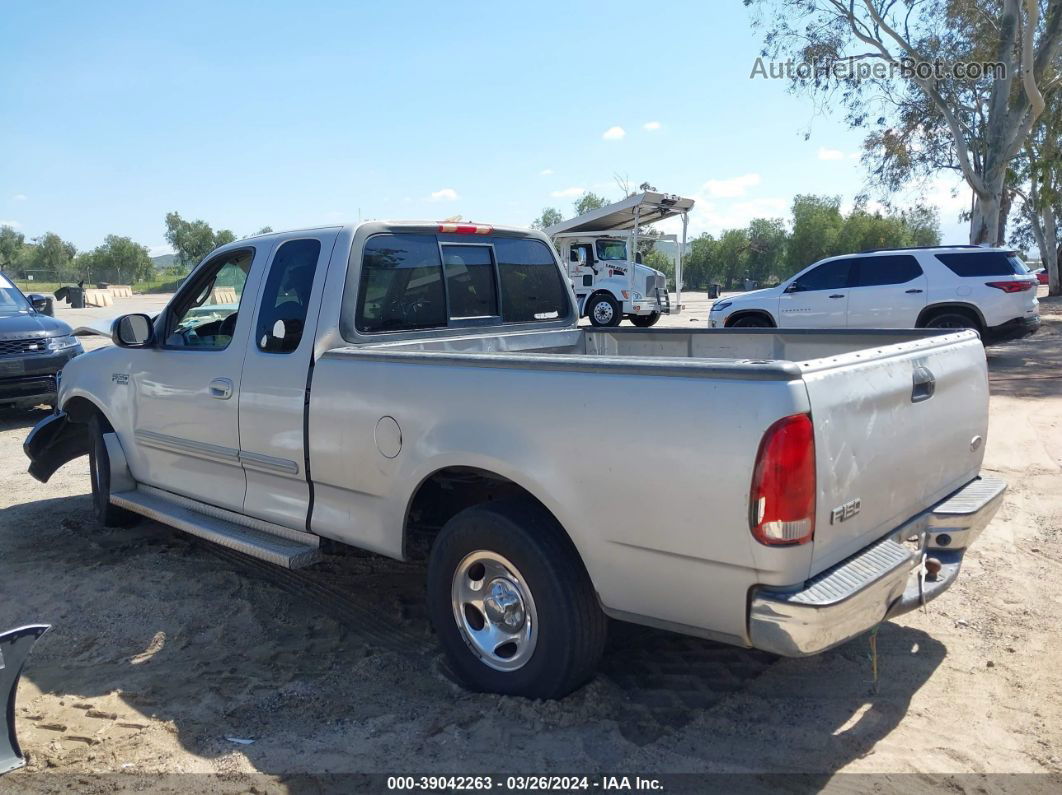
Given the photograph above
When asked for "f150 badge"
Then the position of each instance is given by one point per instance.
(842, 513)
(120, 378)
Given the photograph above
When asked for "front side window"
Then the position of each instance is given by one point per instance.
(614, 250)
(984, 263)
(470, 285)
(204, 316)
(286, 300)
(828, 276)
(876, 271)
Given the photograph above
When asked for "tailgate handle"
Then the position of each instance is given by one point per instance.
(924, 384)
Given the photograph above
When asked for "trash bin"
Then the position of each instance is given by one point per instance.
(76, 297)
(713, 290)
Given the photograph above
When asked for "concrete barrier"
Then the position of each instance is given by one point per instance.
(223, 295)
(96, 297)
(121, 291)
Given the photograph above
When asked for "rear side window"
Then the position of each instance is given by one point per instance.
(984, 263)
(828, 276)
(282, 316)
(419, 281)
(875, 271)
(401, 284)
(531, 285)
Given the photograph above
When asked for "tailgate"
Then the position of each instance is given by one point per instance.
(897, 428)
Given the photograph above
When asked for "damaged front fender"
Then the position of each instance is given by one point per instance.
(54, 441)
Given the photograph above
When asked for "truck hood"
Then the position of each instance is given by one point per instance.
(763, 292)
(25, 325)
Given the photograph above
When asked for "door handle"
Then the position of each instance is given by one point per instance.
(221, 388)
(912, 292)
(924, 384)
(837, 295)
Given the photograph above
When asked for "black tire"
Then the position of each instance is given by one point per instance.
(100, 474)
(751, 321)
(645, 321)
(953, 319)
(571, 628)
(608, 315)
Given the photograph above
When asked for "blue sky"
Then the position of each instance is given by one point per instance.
(297, 114)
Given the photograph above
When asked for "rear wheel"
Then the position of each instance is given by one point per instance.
(952, 320)
(512, 605)
(604, 311)
(645, 321)
(751, 321)
(100, 474)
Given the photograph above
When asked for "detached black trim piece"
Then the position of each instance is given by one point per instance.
(54, 441)
(15, 647)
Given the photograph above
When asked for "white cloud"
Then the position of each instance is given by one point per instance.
(19, 197)
(731, 188)
(652, 126)
(853, 155)
(444, 195)
(830, 154)
(614, 134)
(545, 172)
(12, 224)
(568, 193)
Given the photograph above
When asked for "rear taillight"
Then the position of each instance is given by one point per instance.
(782, 501)
(1012, 287)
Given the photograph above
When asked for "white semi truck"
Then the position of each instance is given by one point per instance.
(600, 250)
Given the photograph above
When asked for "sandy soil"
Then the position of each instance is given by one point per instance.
(165, 647)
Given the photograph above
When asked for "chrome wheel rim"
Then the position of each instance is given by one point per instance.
(603, 312)
(494, 610)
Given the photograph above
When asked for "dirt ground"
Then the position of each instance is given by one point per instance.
(166, 651)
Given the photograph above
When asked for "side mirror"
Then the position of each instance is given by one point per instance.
(638, 258)
(132, 331)
(793, 288)
(41, 303)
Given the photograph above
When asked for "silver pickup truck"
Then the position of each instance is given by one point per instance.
(423, 390)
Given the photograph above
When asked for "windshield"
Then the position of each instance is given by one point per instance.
(12, 301)
(611, 250)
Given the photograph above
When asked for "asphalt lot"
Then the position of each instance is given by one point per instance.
(165, 646)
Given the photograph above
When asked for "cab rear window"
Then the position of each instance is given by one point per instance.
(984, 263)
(413, 281)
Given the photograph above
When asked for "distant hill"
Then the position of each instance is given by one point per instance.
(164, 260)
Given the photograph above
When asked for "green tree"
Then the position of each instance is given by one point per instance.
(119, 260)
(701, 263)
(11, 243)
(54, 257)
(767, 242)
(193, 240)
(589, 201)
(922, 123)
(548, 217)
(923, 223)
(732, 253)
(817, 223)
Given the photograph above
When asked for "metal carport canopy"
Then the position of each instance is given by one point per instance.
(649, 207)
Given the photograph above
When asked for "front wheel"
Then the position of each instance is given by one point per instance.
(100, 474)
(604, 311)
(645, 321)
(512, 605)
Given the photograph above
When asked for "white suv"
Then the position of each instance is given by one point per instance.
(987, 289)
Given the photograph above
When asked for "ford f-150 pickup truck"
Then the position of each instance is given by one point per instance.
(421, 389)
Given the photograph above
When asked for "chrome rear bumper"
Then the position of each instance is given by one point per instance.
(879, 582)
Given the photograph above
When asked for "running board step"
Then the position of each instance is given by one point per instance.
(288, 548)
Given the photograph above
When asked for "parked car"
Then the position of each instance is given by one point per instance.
(33, 348)
(1041, 275)
(417, 390)
(986, 289)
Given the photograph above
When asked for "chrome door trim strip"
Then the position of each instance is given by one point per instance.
(268, 463)
(175, 444)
